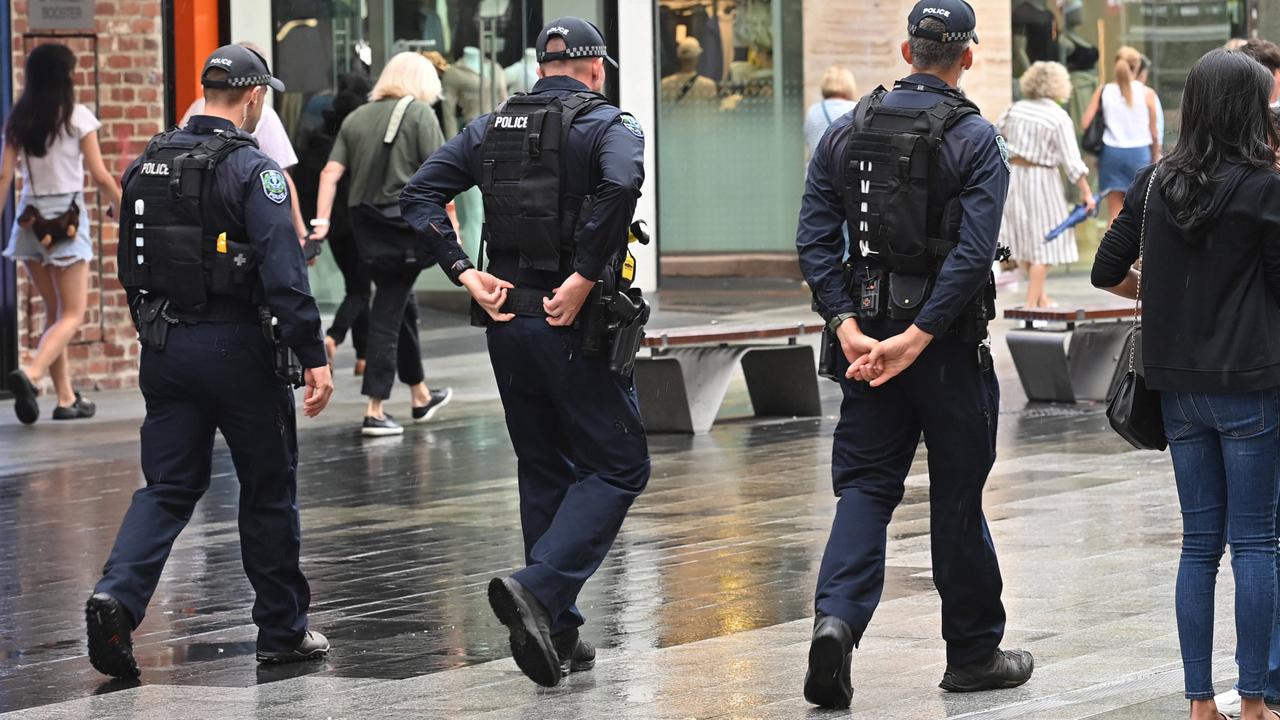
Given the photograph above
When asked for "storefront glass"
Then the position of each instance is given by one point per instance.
(730, 113)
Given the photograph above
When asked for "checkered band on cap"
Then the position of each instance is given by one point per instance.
(249, 81)
(586, 51)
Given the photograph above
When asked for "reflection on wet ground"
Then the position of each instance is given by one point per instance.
(702, 610)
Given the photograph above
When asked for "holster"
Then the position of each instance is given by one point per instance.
(152, 320)
(284, 361)
(830, 355)
(629, 313)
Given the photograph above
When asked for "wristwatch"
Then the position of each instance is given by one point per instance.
(456, 270)
(838, 320)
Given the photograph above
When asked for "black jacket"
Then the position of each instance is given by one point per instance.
(1211, 320)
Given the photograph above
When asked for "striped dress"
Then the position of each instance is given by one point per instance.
(1040, 132)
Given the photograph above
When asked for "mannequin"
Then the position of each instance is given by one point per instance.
(524, 73)
(1081, 59)
(687, 86)
(1035, 31)
(467, 95)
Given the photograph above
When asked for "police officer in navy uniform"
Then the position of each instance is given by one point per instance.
(920, 178)
(560, 170)
(208, 255)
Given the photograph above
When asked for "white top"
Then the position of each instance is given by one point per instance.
(1128, 126)
(272, 139)
(1042, 133)
(820, 116)
(61, 170)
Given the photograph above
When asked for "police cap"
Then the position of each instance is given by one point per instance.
(956, 15)
(581, 38)
(244, 68)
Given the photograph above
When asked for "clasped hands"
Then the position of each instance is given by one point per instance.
(562, 308)
(879, 361)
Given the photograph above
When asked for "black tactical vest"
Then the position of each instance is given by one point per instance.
(887, 162)
(166, 245)
(527, 209)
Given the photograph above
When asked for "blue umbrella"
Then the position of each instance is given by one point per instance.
(1078, 215)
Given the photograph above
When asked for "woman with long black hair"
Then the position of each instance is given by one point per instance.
(1210, 289)
(54, 141)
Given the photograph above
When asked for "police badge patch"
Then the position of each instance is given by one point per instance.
(632, 124)
(1004, 151)
(274, 186)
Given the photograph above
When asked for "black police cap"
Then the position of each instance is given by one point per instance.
(956, 15)
(581, 38)
(244, 68)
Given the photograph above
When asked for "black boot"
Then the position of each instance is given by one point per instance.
(530, 628)
(110, 637)
(314, 646)
(576, 654)
(827, 683)
(1004, 669)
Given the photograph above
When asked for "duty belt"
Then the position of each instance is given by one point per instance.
(219, 309)
(525, 302)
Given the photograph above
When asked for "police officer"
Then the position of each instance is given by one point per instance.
(208, 255)
(560, 170)
(920, 178)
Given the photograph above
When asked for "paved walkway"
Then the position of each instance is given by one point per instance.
(702, 610)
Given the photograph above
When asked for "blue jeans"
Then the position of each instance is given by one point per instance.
(1226, 459)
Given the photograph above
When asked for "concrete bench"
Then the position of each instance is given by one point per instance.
(683, 381)
(1069, 354)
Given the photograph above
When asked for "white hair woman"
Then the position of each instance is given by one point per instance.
(1041, 138)
(402, 97)
(839, 92)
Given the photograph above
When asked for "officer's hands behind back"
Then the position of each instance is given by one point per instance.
(489, 292)
(567, 300)
(319, 390)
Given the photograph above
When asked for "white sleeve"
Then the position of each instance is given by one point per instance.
(84, 121)
(273, 140)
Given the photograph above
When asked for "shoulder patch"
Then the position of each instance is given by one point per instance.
(1004, 151)
(630, 122)
(274, 186)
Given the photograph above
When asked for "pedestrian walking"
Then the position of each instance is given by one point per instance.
(218, 289)
(1041, 140)
(839, 91)
(381, 144)
(1131, 138)
(911, 325)
(1206, 223)
(575, 423)
(53, 141)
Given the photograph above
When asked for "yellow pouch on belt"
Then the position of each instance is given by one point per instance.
(222, 243)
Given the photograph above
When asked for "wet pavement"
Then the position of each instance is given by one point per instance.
(701, 611)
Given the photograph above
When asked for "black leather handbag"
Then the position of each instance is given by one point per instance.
(1134, 411)
(1091, 142)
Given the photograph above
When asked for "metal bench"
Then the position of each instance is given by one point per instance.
(683, 381)
(1068, 355)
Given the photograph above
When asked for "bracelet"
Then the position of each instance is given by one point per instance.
(320, 222)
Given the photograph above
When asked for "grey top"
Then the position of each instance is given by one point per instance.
(359, 144)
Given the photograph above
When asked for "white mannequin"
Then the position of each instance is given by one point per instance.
(470, 59)
(524, 73)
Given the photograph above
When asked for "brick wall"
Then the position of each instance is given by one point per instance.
(125, 88)
(865, 36)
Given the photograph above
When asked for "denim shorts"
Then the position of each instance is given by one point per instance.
(24, 245)
(1117, 167)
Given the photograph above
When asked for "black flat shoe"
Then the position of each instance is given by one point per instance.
(530, 628)
(576, 654)
(828, 683)
(79, 410)
(1005, 669)
(110, 633)
(25, 405)
(314, 646)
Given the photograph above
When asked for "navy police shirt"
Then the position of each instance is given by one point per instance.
(250, 202)
(971, 165)
(605, 158)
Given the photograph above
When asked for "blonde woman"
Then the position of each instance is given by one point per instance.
(1041, 139)
(392, 345)
(839, 91)
(1132, 140)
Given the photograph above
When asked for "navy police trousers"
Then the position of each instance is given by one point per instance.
(582, 456)
(947, 397)
(210, 377)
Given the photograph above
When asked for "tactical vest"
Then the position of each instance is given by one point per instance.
(166, 245)
(887, 161)
(527, 209)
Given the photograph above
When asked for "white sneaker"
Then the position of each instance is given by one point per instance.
(1228, 703)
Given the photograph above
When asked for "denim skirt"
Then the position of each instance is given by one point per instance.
(1117, 167)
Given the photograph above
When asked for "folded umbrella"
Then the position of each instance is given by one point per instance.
(1078, 215)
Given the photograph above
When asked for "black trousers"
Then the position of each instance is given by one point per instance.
(393, 336)
(211, 377)
(353, 313)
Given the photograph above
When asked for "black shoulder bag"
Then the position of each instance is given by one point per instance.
(1134, 411)
(1091, 142)
(387, 243)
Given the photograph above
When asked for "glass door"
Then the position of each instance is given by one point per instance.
(8, 270)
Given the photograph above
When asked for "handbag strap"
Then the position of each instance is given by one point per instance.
(388, 142)
(1142, 249)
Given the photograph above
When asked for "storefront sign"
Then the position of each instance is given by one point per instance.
(61, 15)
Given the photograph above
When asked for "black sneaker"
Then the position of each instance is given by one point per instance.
(439, 398)
(78, 410)
(314, 646)
(380, 427)
(25, 405)
(530, 629)
(1005, 669)
(110, 633)
(827, 683)
(576, 654)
